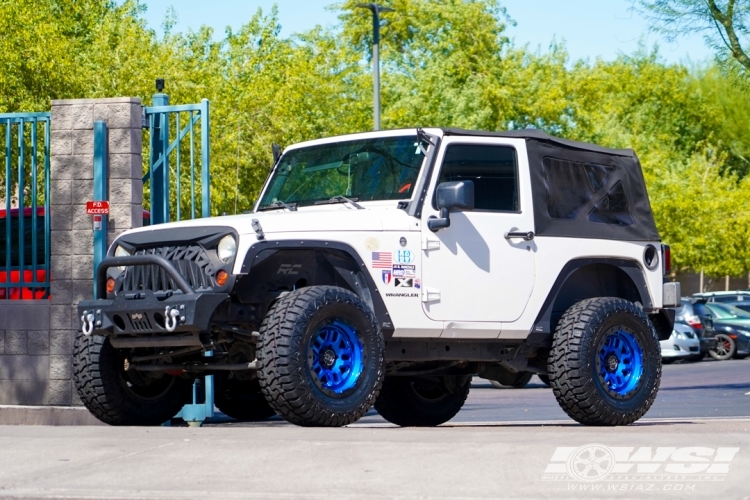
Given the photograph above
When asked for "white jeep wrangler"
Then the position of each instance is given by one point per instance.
(387, 269)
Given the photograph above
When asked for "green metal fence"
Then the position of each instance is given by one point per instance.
(24, 202)
(174, 176)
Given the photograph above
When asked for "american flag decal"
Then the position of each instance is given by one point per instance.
(381, 260)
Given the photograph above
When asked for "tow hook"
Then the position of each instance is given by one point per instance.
(87, 321)
(172, 318)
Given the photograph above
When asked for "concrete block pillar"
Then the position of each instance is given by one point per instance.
(71, 177)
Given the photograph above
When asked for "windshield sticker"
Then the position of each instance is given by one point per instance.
(404, 270)
(382, 260)
(404, 282)
(404, 256)
(387, 277)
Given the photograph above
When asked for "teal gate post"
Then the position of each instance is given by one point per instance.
(25, 194)
(163, 181)
(101, 188)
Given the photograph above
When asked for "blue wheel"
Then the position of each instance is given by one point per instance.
(620, 363)
(336, 357)
(605, 362)
(321, 357)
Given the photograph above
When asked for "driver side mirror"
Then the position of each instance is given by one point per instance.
(451, 197)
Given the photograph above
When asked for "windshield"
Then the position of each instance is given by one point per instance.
(384, 168)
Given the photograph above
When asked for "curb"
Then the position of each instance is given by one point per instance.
(46, 415)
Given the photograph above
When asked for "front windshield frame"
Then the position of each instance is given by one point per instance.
(393, 173)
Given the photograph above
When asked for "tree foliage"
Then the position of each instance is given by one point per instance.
(445, 63)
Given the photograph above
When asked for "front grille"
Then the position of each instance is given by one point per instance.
(190, 261)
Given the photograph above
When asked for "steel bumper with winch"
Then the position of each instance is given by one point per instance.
(131, 319)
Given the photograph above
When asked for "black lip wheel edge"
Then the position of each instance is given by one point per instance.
(320, 357)
(422, 402)
(725, 347)
(118, 398)
(605, 363)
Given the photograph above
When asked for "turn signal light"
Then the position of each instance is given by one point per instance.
(221, 278)
(110, 285)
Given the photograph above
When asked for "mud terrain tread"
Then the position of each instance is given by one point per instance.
(93, 370)
(281, 360)
(570, 370)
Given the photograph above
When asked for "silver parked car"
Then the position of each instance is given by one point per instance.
(682, 344)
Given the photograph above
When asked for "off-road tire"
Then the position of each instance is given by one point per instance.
(242, 400)
(545, 380)
(284, 369)
(415, 402)
(572, 362)
(726, 351)
(516, 380)
(103, 386)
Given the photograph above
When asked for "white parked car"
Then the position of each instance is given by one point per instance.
(682, 344)
(388, 268)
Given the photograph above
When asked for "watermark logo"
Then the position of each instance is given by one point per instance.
(592, 462)
(597, 462)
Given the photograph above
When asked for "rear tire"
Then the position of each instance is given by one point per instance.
(422, 402)
(320, 357)
(605, 364)
(725, 347)
(119, 397)
(243, 400)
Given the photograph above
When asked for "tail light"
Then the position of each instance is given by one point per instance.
(666, 255)
(694, 322)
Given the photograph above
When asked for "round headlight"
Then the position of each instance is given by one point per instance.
(227, 248)
(121, 252)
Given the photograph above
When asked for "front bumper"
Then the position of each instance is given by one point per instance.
(134, 318)
(147, 314)
(679, 348)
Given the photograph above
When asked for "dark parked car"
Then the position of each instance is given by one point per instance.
(693, 313)
(732, 327)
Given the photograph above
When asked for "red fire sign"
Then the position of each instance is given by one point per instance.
(97, 208)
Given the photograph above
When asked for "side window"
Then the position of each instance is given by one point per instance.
(725, 298)
(492, 169)
(571, 184)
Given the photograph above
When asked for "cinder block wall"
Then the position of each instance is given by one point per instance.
(36, 337)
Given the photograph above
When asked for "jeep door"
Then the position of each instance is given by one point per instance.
(471, 271)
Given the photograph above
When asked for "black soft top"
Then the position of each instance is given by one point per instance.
(565, 175)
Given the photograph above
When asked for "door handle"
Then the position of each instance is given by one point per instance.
(526, 235)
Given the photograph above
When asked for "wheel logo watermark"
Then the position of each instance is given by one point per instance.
(628, 468)
(592, 462)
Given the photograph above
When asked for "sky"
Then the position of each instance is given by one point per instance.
(590, 28)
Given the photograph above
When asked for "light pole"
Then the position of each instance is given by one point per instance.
(376, 10)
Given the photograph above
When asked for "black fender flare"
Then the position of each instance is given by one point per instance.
(369, 292)
(631, 268)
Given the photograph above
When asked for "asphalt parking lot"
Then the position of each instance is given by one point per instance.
(506, 443)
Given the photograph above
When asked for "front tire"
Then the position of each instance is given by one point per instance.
(605, 364)
(321, 357)
(725, 347)
(422, 402)
(117, 396)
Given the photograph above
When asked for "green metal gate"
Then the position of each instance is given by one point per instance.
(25, 199)
(173, 179)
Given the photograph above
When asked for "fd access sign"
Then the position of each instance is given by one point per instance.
(97, 208)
